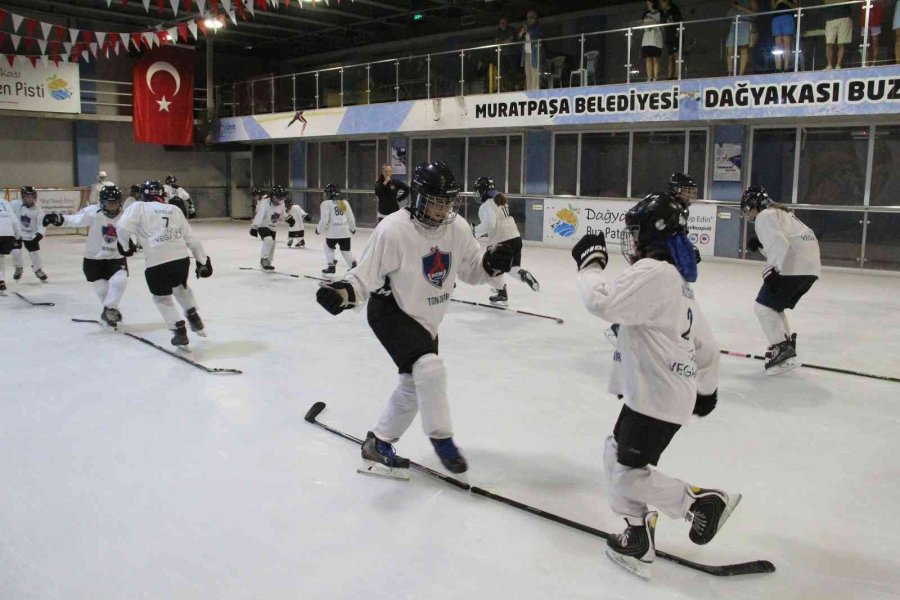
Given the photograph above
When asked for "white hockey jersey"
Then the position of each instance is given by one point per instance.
(31, 219)
(268, 214)
(171, 192)
(9, 221)
(102, 232)
(298, 214)
(421, 269)
(335, 223)
(665, 350)
(496, 224)
(163, 231)
(128, 202)
(788, 245)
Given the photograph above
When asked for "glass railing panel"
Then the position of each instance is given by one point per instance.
(445, 74)
(330, 88)
(356, 85)
(383, 81)
(413, 78)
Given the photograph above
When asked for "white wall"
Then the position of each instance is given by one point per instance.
(36, 152)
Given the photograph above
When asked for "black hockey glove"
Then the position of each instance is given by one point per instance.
(498, 259)
(705, 404)
(591, 250)
(132, 248)
(38, 237)
(772, 279)
(754, 245)
(17, 245)
(697, 255)
(291, 221)
(336, 297)
(254, 233)
(307, 218)
(54, 219)
(206, 270)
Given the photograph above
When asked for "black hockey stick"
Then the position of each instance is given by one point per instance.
(170, 352)
(269, 272)
(34, 303)
(819, 367)
(745, 568)
(515, 310)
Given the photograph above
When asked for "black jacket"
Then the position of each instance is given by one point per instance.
(390, 195)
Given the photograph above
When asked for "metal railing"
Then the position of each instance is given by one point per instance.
(104, 97)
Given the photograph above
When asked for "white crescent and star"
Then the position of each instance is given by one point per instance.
(165, 67)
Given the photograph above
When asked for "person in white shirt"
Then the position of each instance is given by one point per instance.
(793, 265)
(665, 368)
(166, 235)
(407, 274)
(270, 211)
(337, 222)
(103, 265)
(31, 223)
(102, 181)
(497, 225)
(296, 217)
(178, 196)
(10, 235)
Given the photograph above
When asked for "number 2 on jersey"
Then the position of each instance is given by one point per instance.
(690, 316)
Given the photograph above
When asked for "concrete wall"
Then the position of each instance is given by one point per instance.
(36, 152)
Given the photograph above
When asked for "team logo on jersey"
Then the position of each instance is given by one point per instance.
(275, 217)
(110, 235)
(436, 266)
(26, 221)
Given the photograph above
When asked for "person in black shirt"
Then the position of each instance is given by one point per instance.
(671, 14)
(390, 192)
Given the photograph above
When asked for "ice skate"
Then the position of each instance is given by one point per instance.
(708, 512)
(450, 456)
(180, 339)
(290, 243)
(634, 549)
(266, 264)
(529, 279)
(17, 274)
(301, 243)
(39, 273)
(781, 357)
(195, 322)
(500, 297)
(110, 317)
(380, 460)
(330, 269)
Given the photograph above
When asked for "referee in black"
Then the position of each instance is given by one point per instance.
(390, 192)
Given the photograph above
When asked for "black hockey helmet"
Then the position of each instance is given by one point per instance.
(483, 185)
(437, 194)
(683, 187)
(171, 180)
(136, 190)
(278, 192)
(28, 193)
(111, 201)
(332, 191)
(152, 191)
(652, 221)
(754, 197)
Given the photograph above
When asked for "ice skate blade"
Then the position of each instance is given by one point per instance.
(788, 365)
(201, 332)
(183, 349)
(733, 501)
(499, 303)
(631, 564)
(379, 470)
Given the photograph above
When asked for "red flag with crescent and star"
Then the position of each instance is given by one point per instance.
(163, 96)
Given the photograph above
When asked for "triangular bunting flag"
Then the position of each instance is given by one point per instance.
(192, 27)
(182, 32)
(11, 59)
(43, 46)
(33, 60)
(173, 35)
(94, 48)
(226, 5)
(29, 44)
(3, 14)
(202, 24)
(201, 6)
(45, 61)
(135, 41)
(16, 20)
(68, 47)
(55, 59)
(46, 29)
(115, 45)
(147, 5)
(240, 9)
(86, 56)
(149, 37)
(3, 37)
(174, 4)
(60, 32)
(159, 6)
(73, 35)
(87, 37)
(101, 37)
(250, 7)
(187, 5)
(30, 27)
(125, 38)
(232, 16)
(15, 40)
(215, 5)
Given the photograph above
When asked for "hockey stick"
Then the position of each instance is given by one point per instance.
(269, 272)
(745, 568)
(515, 310)
(170, 352)
(819, 367)
(34, 303)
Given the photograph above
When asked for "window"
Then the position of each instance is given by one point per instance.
(281, 165)
(418, 153)
(514, 178)
(312, 165)
(697, 160)
(363, 164)
(452, 152)
(487, 158)
(655, 157)
(832, 165)
(565, 164)
(886, 167)
(262, 165)
(334, 164)
(773, 162)
(604, 164)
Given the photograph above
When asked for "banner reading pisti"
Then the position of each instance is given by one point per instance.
(164, 97)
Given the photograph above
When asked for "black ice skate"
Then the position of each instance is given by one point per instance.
(2, 286)
(380, 459)
(266, 264)
(111, 317)
(793, 341)
(39, 273)
(635, 548)
(450, 456)
(195, 322)
(180, 339)
(500, 297)
(780, 358)
(17, 274)
(529, 279)
(301, 243)
(290, 243)
(330, 269)
(708, 513)
(353, 266)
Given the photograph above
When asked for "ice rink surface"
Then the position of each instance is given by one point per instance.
(130, 475)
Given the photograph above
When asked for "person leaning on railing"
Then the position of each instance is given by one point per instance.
(390, 192)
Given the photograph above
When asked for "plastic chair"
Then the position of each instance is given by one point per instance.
(588, 74)
(555, 73)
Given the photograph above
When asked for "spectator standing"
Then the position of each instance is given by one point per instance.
(390, 192)
(652, 40)
(876, 18)
(740, 36)
(506, 35)
(784, 27)
(532, 33)
(838, 32)
(671, 13)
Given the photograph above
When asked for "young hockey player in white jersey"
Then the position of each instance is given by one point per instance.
(104, 267)
(337, 222)
(497, 225)
(10, 235)
(792, 266)
(165, 234)
(407, 274)
(666, 368)
(178, 196)
(270, 211)
(31, 222)
(296, 217)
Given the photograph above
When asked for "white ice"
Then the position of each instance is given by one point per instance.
(127, 474)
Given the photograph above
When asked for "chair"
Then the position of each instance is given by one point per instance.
(588, 74)
(555, 73)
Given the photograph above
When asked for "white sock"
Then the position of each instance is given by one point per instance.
(185, 297)
(2, 267)
(772, 323)
(348, 257)
(787, 326)
(268, 248)
(117, 284)
(17, 258)
(329, 256)
(36, 260)
(400, 411)
(166, 306)
(101, 288)
(430, 378)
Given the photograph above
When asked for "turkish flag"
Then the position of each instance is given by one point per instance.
(163, 96)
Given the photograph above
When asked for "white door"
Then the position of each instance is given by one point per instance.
(241, 173)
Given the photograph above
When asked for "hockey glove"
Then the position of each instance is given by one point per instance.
(54, 219)
(206, 270)
(38, 237)
(498, 259)
(772, 279)
(336, 297)
(307, 218)
(697, 255)
(705, 404)
(754, 245)
(591, 250)
(291, 221)
(132, 248)
(254, 233)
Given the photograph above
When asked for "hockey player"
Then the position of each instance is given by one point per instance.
(407, 273)
(683, 187)
(665, 368)
(296, 217)
(792, 267)
(10, 235)
(165, 234)
(31, 222)
(178, 196)
(103, 265)
(270, 211)
(495, 226)
(337, 222)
